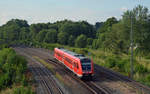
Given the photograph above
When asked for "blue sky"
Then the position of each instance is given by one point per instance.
(38, 11)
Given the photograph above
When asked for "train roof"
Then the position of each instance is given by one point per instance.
(80, 56)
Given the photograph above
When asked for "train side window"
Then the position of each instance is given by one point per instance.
(68, 60)
(77, 66)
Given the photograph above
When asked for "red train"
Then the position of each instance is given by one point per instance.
(77, 63)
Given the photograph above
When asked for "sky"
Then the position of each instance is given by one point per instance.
(43, 11)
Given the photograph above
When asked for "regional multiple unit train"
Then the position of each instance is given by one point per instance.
(77, 63)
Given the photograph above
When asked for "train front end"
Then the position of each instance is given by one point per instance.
(87, 67)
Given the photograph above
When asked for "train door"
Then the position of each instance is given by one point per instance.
(75, 64)
(71, 65)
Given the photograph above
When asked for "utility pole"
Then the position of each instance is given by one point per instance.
(131, 39)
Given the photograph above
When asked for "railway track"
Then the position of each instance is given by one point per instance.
(142, 88)
(44, 76)
(90, 85)
(47, 89)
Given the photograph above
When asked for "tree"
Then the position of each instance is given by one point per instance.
(36, 28)
(51, 36)
(11, 32)
(141, 29)
(89, 41)
(106, 27)
(63, 38)
(41, 35)
(71, 40)
(77, 28)
(81, 41)
(98, 25)
(20, 23)
(24, 34)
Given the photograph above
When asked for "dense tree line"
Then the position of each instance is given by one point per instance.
(112, 34)
(63, 32)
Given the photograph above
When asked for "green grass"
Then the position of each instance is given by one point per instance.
(50, 67)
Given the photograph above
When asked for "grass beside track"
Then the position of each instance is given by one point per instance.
(15, 89)
(50, 67)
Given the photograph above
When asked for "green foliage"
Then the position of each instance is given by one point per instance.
(123, 65)
(147, 56)
(81, 51)
(77, 28)
(50, 46)
(71, 40)
(145, 80)
(36, 28)
(89, 41)
(63, 38)
(140, 68)
(24, 33)
(115, 35)
(11, 30)
(106, 27)
(141, 28)
(3, 46)
(12, 68)
(23, 90)
(51, 36)
(81, 41)
(111, 62)
(41, 35)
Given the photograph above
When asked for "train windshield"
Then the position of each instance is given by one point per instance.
(86, 64)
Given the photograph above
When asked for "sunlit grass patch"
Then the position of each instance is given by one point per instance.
(49, 66)
(18, 89)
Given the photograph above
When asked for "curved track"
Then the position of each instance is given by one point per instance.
(142, 88)
(90, 85)
(44, 76)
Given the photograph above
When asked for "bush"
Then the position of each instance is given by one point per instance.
(110, 62)
(140, 68)
(145, 80)
(12, 67)
(148, 78)
(121, 65)
(81, 41)
(82, 51)
(3, 46)
(147, 56)
(50, 46)
(23, 90)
